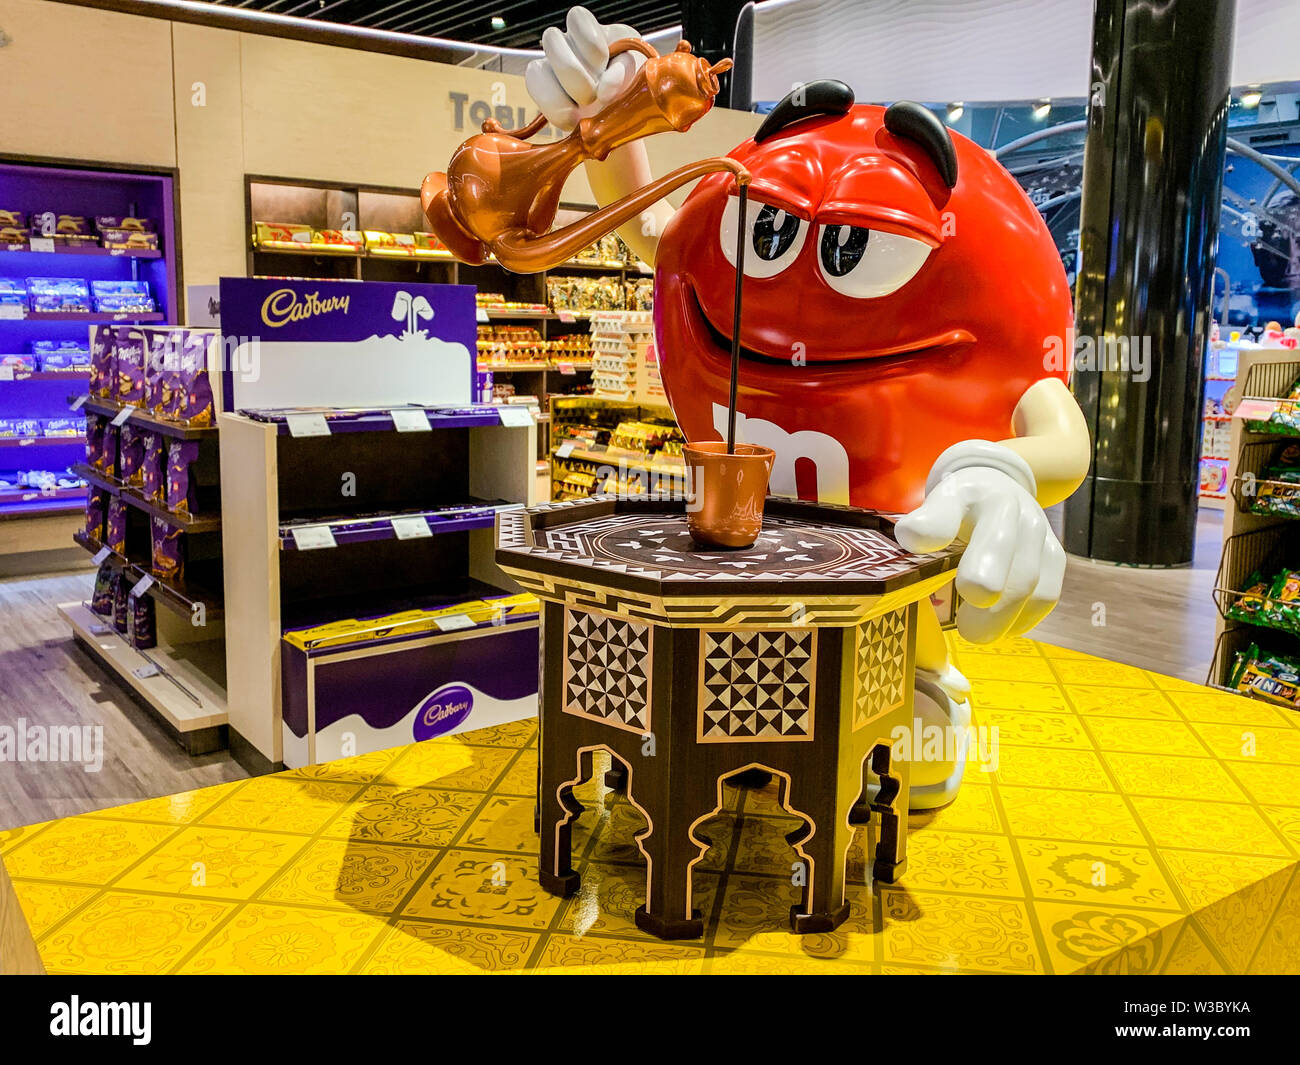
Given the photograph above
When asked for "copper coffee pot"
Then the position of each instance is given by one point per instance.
(500, 194)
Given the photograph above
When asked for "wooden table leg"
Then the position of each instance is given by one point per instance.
(669, 912)
(891, 807)
(825, 843)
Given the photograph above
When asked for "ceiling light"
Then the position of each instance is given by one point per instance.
(1251, 98)
(498, 23)
(1042, 109)
(955, 111)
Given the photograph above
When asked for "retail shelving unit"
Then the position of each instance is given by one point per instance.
(593, 450)
(37, 185)
(1220, 375)
(1253, 542)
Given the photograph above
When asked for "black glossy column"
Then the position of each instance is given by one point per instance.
(1152, 182)
(710, 26)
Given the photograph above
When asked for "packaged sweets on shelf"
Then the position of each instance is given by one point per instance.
(96, 513)
(14, 235)
(122, 297)
(13, 292)
(135, 225)
(354, 630)
(60, 427)
(339, 238)
(103, 363)
(129, 239)
(121, 604)
(15, 365)
(165, 542)
(95, 441)
(131, 455)
(108, 453)
(428, 242)
(192, 401)
(129, 359)
(179, 495)
(1274, 678)
(142, 627)
(62, 294)
(57, 356)
(115, 526)
(12, 218)
(153, 466)
(53, 223)
(101, 599)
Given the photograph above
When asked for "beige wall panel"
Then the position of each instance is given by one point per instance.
(209, 152)
(80, 83)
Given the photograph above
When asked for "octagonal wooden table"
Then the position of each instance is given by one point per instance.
(691, 665)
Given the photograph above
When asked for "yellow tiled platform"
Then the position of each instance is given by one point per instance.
(1134, 824)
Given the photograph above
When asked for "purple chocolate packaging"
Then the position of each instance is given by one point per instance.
(143, 631)
(58, 294)
(101, 600)
(96, 510)
(139, 225)
(195, 406)
(103, 363)
(153, 466)
(180, 492)
(162, 375)
(129, 356)
(95, 441)
(108, 453)
(115, 526)
(165, 540)
(121, 606)
(130, 466)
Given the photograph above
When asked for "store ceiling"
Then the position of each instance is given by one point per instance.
(469, 20)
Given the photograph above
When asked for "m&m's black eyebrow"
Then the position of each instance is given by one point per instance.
(919, 124)
(809, 100)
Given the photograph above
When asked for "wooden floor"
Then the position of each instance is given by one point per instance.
(1162, 620)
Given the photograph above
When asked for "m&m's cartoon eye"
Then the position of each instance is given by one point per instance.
(774, 234)
(866, 263)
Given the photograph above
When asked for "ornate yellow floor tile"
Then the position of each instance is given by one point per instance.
(447, 766)
(1287, 819)
(754, 963)
(1013, 647)
(608, 897)
(1036, 696)
(1093, 701)
(477, 886)
(11, 837)
(1208, 705)
(131, 934)
(1212, 826)
(1276, 784)
(762, 847)
(1084, 937)
(597, 956)
(1027, 729)
(420, 816)
(756, 915)
(512, 734)
(284, 941)
(174, 809)
(413, 947)
(1234, 898)
(1096, 874)
(282, 804)
(84, 850)
(984, 667)
(1039, 767)
(976, 812)
(1192, 956)
(958, 932)
(522, 777)
(615, 827)
(503, 823)
(1099, 671)
(1172, 777)
(213, 863)
(44, 905)
(360, 768)
(1050, 814)
(1052, 651)
(1277, 952)
(1243, 743)
(372, 877)
(962, 862)
(1144, 737)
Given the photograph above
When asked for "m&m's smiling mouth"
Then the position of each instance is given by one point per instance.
(946, 343)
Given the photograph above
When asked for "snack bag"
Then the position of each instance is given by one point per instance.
(165, 540)
(1273, 678)
(162, 372)
(141, 625)
(101, 600)
(115, 526)
(1282, 608)
(103, 365)
(58, 294)
(121, 606)
(108, 453)
(96, 510)
(130, 467)
(129, 357)
(194, 402)
(153, 466)
(180, 492)
(122, 297)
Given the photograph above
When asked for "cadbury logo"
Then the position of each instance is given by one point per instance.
(438, 711)
(442, 711)
(284, 306)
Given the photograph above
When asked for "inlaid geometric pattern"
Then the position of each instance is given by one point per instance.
(879, 682)
(756, 685)
(607, 670)
(392, 862)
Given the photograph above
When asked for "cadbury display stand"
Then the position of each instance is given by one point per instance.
(690, 666)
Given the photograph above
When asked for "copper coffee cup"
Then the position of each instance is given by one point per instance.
(725, 492)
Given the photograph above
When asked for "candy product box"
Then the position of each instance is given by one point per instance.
(103, 361)
(167, 552)
(115, 526)
(129, 238)
(58, 294)
(122, 297)
(134, 225)
(129, 359)
(13, 292)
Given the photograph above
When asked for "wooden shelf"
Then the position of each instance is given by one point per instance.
(141, 418)
(93, 250)
(89, 317)
(40, 441)
(181, 598)
(46, 375)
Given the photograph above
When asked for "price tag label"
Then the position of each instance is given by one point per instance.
(100, 629)
(567, 316)
(565, 449)
(101, 555)
(12, 311)
(517, 415)
(1255, 410)
(42, 244)
(79, 402)
(411, 527)
(481, 315)
(145, 672)
(123, 416)
(313, 537)
(410, 420)
(6, 373)
(142, 585)
(307, 425)
(452, 622)
(566, 368)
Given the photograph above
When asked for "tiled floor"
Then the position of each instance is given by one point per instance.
(1133, 823)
